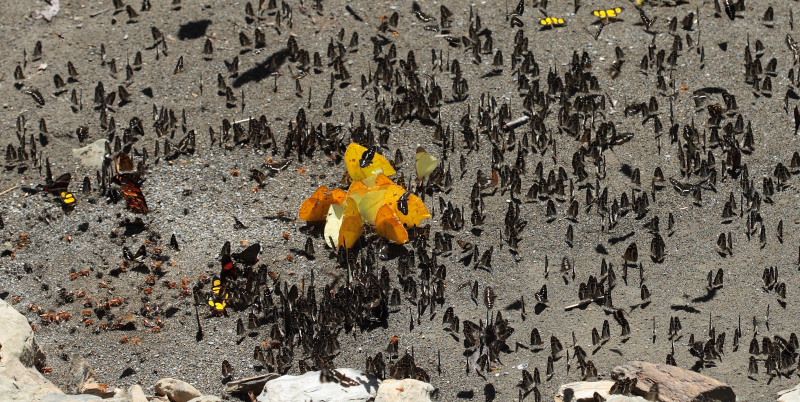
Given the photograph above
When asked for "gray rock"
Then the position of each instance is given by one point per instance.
(670, 383)
(81, 373)
(407, 390)
(69, 398)
(789, 395)
(19, 380)
(306, 387)
(93, 154)
(176, 390)
(583, 391)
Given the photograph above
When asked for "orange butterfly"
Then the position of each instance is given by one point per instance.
(388, 225)
(315, 208)
(132, 191)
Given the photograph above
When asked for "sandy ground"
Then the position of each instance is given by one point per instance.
(196, 196)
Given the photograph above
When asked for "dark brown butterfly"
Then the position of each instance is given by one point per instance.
(227, 369)
(248, 256)
(59, 185)
(123, 162)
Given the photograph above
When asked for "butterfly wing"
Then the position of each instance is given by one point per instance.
(249, 256)
(352, 224)
(333, 224)
(426, 163)
(59, 185)
(370, 203)
(219, 295)
(382, 180)
(134, 197)
(388, 225)
(315, 208)
(417, 211)
(354, 156)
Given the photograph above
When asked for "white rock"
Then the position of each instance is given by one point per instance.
(93, 154)
(583, 391)
(625, 398)
(69, 398)
(305, 387)
(407, 390)
(19, 380)
(206, 398)
(137, 393)
(176, 390)
(790, 395)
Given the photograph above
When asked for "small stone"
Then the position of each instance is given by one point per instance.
(407, 390)
(176, 390)
(95, 388)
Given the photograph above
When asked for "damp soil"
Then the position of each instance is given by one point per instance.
(196, 196)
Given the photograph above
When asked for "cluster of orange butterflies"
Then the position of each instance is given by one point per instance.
(372, 198)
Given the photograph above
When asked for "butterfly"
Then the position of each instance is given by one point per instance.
(363, 162)
(426, 163)
(608, 13)
(59, 185)
(67, 199)
(315, 208)
(369, 204)
(551, 22)
(380, 180)
(389, 226)
(219, 295)
(123, 162)
(248, 256)
(225, 257)
(132, 191)
(343, 224)
(409, 207)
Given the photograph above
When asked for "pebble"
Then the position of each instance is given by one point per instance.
(176, 390)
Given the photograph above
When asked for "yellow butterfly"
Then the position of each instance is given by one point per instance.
(426, 163)
(608, 13)
(363, 162)
(369, 204)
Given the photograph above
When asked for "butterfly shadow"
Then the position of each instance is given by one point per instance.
(264, 69)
